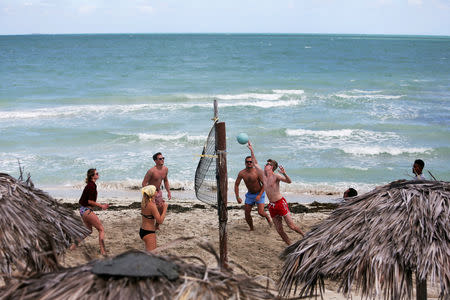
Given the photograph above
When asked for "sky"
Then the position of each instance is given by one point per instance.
(412, 17)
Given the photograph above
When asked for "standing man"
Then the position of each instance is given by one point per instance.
(278, 207)
(418, 168)
(155, 176)
(255, 193)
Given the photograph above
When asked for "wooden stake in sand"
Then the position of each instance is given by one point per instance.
(222, 186)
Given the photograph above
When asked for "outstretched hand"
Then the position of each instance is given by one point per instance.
(249, 145)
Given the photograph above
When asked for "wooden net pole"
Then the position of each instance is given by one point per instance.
(222, 188)
(421, 288)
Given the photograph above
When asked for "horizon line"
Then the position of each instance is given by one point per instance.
(229, 33)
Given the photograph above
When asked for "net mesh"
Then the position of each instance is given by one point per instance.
(206, 173)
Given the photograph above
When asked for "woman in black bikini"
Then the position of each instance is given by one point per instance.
(150, 216)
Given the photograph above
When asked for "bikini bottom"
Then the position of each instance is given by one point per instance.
(143, 232)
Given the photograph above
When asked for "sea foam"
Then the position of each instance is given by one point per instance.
(171, 137)
(377, 150)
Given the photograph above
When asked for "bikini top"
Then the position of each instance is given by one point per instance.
(150, 217)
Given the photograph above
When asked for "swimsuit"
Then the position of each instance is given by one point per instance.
(84, 209)
(250, 198)
(150, 217)
(279, 208)
(143, 232)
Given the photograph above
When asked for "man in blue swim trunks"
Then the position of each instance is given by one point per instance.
(255, 194)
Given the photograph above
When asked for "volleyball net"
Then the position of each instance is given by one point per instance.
(206, 172)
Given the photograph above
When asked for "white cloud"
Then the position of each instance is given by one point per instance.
(87, 9)
(146, 9)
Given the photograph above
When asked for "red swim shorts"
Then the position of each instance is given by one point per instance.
(279, 208)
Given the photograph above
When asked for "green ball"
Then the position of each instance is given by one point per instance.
(242, 138)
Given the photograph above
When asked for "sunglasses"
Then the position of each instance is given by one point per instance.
(96, 173)
(161, 158)
(248, 161)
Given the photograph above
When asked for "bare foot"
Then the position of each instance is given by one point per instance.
(103, 252)
(73, 247)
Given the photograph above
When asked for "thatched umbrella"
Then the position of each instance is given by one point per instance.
(375, 242)
(34, 228)
(137, 275)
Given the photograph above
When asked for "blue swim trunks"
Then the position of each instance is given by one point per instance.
(250, 198)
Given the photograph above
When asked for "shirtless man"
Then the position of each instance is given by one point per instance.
(278, 207)
(255, 193)
(155, 176)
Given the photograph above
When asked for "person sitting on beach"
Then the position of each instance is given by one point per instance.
(150, 216)
(155, 176)
(418, 168)
(278, 207)
(351, 192)
(255, 193)
(87, 201)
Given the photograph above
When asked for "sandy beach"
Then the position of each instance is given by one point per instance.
(256, 252)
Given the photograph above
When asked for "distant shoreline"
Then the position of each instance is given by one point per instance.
(128, 196)
(295, 208)
(240, 34)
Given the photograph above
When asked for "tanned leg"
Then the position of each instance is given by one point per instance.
(291, 224)
(95, 221)
(278, 222)
(85, 219)
(150, 242)
(262, 213)
(248, 216)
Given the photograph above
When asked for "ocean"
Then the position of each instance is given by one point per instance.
(336, 111)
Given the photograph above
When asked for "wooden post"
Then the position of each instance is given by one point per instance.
(222, 191)
(216, 111)
(421, 288)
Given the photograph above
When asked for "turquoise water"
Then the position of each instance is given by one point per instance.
(335, 110)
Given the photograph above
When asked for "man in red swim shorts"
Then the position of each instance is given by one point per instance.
(278, 207)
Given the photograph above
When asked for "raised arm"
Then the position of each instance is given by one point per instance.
(255, 162)
(284, 177)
